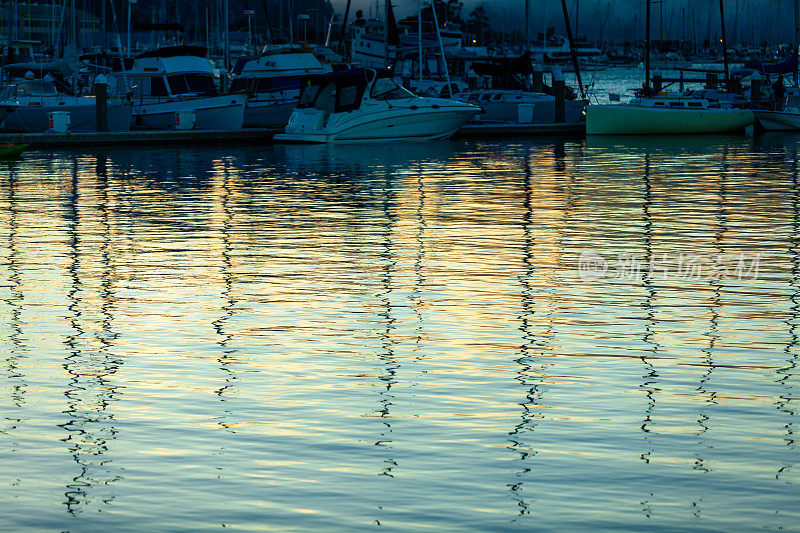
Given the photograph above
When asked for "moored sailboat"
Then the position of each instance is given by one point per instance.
(667, 113)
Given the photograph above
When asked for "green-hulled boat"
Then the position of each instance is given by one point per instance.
(11, 151)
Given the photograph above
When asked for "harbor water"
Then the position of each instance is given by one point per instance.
(520, 335)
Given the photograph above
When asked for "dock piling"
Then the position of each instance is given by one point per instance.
(101, 102)
(538, 79)
(711, 81)
(560, 92)
(755, 90)
(658, 82)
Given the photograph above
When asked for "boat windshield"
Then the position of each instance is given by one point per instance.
(36, 88)
(388, 89)
(192, 84)
(330, 96)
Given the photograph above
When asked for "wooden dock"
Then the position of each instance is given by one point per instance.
(140, 137)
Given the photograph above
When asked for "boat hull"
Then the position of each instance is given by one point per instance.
(384, 126)
(641, 120)
(83, 117)
(211, 113)
(12, 151)
(268, 113)
(778, 120)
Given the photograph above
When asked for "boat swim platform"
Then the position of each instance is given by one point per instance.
(140, 137)
(513, 129)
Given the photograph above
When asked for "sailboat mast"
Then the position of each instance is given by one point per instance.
(419, 36)
(343, 33)
(441, 49)
(796, 48)
(724, 42)
(386, 33)
(227, 42)
(527, 24)
(572, 48)
(128, 47)
(647, 46)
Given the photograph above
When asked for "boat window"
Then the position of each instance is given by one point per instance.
(241, 85)
(158, 87)
(326, 99)
(201, 84)
(278, 84)
(388, 89)
(659, 104)
(695, 104)
(499, 96)
(308, 95)
(348, 98)
(177, 84)
(486, 96)
(676, 104)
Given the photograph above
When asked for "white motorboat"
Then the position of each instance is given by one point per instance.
(367, 105)
(272, 83)
(29, 103)
(167, 82)
(666, 114)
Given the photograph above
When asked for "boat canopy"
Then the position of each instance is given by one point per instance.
(339, 91)
(175, 51)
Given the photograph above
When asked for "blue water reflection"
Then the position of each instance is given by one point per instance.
(402, 336)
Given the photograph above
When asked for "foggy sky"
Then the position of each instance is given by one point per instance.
(745, 20)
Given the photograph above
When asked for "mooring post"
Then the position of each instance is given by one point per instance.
(755, 90)
(711, 80)
(560, 93)
(538, 78)
(657, 82)
(101, 102)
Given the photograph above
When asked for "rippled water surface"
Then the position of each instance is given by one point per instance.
(402, 337)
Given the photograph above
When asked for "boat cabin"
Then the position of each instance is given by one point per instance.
(344, 91)
(279, 70)
(176, 71)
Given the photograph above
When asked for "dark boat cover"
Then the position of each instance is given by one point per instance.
(784, 67)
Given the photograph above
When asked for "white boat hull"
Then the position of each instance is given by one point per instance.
(778, 120)
(643, 120)
(211, 113)
(271, 113)
(379, 126)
